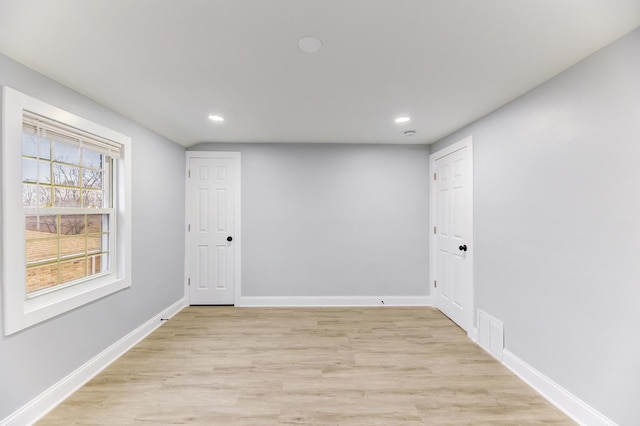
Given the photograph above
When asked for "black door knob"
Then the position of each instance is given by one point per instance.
(463, 248)
(229, 238)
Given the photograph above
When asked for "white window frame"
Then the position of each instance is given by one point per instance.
(21, 312)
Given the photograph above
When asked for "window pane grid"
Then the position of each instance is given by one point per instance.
(61, 248)
(64, 258)
(49, 183)
(43, 159)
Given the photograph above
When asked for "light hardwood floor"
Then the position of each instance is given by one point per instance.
(320, 366)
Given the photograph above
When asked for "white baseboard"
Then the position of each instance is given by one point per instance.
(571, 405)
(49, 399)
(473, 334)
(327, 301)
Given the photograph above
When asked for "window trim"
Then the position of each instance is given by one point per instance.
(21, 312)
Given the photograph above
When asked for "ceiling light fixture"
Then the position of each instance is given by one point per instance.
(216, 118)
(310, 44)
(402, 119)
(410, 133)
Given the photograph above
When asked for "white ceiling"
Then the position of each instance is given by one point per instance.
(168, 64)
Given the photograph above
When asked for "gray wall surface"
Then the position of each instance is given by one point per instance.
(36, 358)
(333, 219)
(557, 238)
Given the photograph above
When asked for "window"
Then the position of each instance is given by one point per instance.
(68, 203)
(66, 215)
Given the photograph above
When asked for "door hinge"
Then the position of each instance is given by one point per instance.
(435, 284)
(434, 230)
(189, 173)
(188, 281)
(189, 228)
(434, 176)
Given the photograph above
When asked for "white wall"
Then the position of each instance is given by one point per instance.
(557, 234)
(333, 220)
(36, 358)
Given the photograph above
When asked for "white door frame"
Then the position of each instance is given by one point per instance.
(237, 238)
(433, 205)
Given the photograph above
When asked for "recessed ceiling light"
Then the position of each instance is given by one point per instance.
(216, 118)
(402, 119)
(310, 44)
(410, 133)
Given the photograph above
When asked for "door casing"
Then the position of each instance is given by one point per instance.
(237, 216)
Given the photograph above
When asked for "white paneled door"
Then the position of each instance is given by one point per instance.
(452, 238)
(213, 227)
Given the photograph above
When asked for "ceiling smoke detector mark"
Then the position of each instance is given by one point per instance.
(410, 133)
(310, 44)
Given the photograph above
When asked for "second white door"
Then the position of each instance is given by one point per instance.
(212, 229)
(452, 261)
